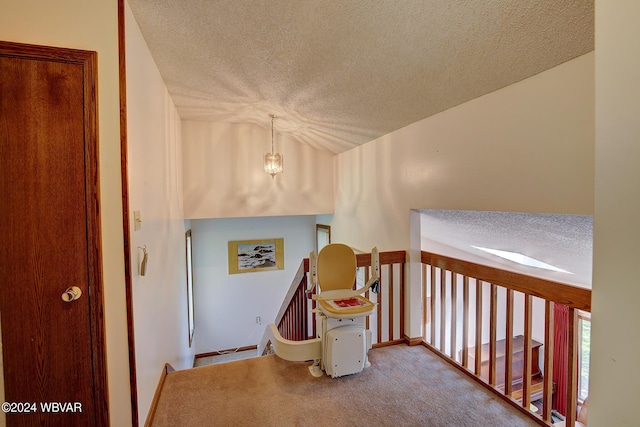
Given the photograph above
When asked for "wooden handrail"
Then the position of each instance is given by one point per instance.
(295, 283)
(571, 296)
(551, 292)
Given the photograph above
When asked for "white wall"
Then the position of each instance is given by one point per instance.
(92, 26)
(224, 176)
(324, 219)
(526, 148)
(615, 377)
(155, 189)
(226, 305)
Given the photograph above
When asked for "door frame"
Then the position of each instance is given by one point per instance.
(88, 61)
(126, 229)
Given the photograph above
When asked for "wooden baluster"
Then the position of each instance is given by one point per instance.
(402, 268)
(454, 314)
(391, 302)
(425, 300)
(366, 294)
(493, 320)
(547, 393)
(305, 310)
(575, 298)
(379, 306)
(298, 317)
(572, 372)
(296, 324)
(478, 355)
(432, 338)
(443, 308)
(305, 314)
(508, 351)
(294, 317)
(526, 371)
(285, 326)
(465, 322)
(301, 315)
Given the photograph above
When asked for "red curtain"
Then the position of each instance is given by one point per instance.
(560, 356)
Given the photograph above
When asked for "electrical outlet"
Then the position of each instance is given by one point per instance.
(258, 320)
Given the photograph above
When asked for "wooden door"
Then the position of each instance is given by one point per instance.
(53, 350)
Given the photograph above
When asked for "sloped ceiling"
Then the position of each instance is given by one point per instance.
(563, 241)
(341, 73)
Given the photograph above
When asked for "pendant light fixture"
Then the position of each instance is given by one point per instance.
(273, 160)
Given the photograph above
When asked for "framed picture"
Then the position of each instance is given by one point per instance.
(190, 305)
(248, 256)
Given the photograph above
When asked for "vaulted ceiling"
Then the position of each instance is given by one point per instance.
(562, 241)
(340, 73)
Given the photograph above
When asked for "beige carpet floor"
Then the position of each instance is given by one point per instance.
(405, 386)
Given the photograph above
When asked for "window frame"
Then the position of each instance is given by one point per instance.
(583, 316)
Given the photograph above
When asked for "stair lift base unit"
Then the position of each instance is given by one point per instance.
(346, 350)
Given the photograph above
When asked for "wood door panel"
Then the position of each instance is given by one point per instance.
(45, 224)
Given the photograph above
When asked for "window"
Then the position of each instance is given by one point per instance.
(584, 330)
(521, 259)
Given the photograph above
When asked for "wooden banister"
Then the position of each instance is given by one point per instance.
(295, 283)
(548, 361)
(508, 351)
(526, 371)
(443, 298)
(440, 281)
(453, 339)
(478, 345)
(572, 296)
(433, 305)
(465, 321)
(572, 377)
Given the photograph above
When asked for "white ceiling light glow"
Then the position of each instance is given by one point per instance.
(522, 259)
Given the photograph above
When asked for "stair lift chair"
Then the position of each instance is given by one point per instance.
(342, 311)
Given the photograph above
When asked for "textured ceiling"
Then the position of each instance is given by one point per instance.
(341, 73)
(564, 241)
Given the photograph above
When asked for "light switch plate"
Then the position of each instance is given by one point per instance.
(137, 221)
